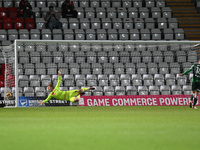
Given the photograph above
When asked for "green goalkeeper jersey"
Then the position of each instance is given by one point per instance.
(57, 93)
(196, 72)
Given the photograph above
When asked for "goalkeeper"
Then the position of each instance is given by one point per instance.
(195, 83)
(71, 95)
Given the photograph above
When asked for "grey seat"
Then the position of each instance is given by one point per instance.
(40, 91)
(45, 79)
(130, 68)
(73, 23)
(29, 69)
(79, 34)
(69, 80)
(176, 90)
(84, 3)
(52, 69)
(68, 34)
(3, 35)
(114, 79)
(166, 12)
(23, 57)
(119, 68)
(172, 23)
(101, 34)
(80, 80)
(35, 34)
(149, 23)
(156, 34)
(125, 80)
(181, 56)
(85, 68)
(160, 3)
(102, 57)
(111, 13)
(90, 34)
(40, 23)
(57, 34)
(29, 91)
(156, 12)
(84, 23)
(154, 90)
(117, 23)
(148, 79)
(149, 3)
(133, 12)
(157, 56)
(95, 3)
(112, 34)
(41, 3)
(34, 80)
(144, 12)
(165, 90)
(74, 68)
(145, 34)
(120, 90)
(105, 3)
(134, 34)
(103, 80)
(64, 22)
(100, 13)
(12, 34)
(162, 23)
(146, 56)
(127, 4)
(131, 90)
(122, 12)
(168, 34)
(89, 13)
(81, 12)
(123, 34)
(128, 23)
(181, 80)
(95, 23)
(170, 79)
(23, 34)
(163, 68)
(136, 79)
(168, 56)
(46, 34)
(108, 90)
(143, 90)
(98, 91)
(137, 3)
(23, 81)
(187, 89)
(179, 34)
(139, 23)
(141, 68)
(91, 80)
(159, 79)
(106, 23)
(175, 68)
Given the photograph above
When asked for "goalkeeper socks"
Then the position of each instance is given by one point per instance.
(195, 101)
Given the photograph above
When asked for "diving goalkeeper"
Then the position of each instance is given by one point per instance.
(195, 83)
(71, 95)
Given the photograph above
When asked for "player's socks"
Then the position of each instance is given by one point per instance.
(191, 97)
(195, 101)
(190, 104)
(91, 88)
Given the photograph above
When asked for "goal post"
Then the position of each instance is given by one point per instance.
(34, 63)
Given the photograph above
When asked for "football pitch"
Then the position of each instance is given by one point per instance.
(100, 128)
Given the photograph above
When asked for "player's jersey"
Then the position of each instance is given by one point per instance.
(57, 93)
(196, 72)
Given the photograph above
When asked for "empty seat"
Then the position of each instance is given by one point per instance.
(57, 34)
(7, 23)
(133, 12)
(156, 34)
(159, 79)
(154, 90)
(12, 34)
(95, 23)
(35, 34)
(172, 23)
(179, 34)
(84, 23)
(148, 79)
(18, 23)
(113, 79)
(68, 34)
(165, 90)
(156, 12)
(46, 34)
(176, 90)
(131, 90)
(170, 79)
(166, 12)
(98, 91)
(40, 23)
(187, 89)
(101, 34)
(144, 12)
(120, 90)
(89, 13)
(90, 34)
(108, 90)
(79, 34)
(111, 13)
(34, 80)
(143, 90)
(134, 34)
(29, 23)
(103, 80)
(168, 34)
(100, 13)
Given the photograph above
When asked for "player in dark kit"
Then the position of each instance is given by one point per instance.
(195, 83)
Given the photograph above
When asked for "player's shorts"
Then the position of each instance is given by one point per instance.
(195, 85)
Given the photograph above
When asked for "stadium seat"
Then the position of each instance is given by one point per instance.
(143, 90)
(154, 90)
(111, 13)
(29, 23)
(13, 12)
(105, 3)
(165, 90)
(12, 34)
(18, 23)
(108, 90)
(120, 90)
(3, 12)
(35, 34)
(98, 91)
(7, 23)
(23, 33)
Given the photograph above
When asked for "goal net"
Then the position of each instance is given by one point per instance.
(113, 67)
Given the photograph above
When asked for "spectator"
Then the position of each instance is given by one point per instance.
(52, 19)
(25, 9)
(68, 9)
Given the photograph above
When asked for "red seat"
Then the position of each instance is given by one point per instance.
(2, 84)
(7, 23)
(11, 80)
(19, 23)
(29, 23)
(2, 78)
(13, 12)
(2, 66)
(3, 12)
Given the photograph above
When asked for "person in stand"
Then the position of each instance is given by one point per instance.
(68, 9)
(52, 19)
(195, 83)
(71, 95)
(25, 9)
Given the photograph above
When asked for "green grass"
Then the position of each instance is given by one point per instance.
(100, 128)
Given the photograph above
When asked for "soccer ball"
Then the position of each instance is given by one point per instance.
(8, 95)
